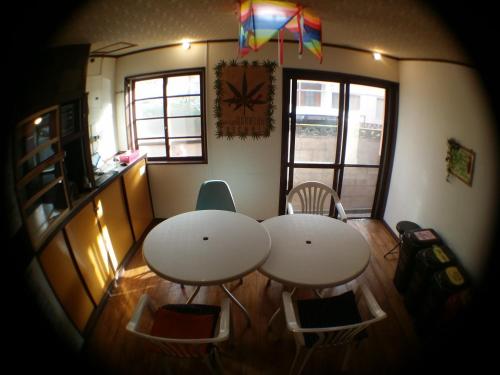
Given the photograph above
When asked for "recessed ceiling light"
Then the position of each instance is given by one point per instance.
(377, 56)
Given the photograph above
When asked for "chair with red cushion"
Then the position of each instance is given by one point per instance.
(183, 330)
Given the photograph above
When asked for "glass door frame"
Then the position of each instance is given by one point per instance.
(290, 77)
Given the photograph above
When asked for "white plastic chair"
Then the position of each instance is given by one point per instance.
(326, 313)
(145, 316)
(312, 197)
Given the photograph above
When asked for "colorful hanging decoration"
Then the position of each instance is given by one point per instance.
(261, 20)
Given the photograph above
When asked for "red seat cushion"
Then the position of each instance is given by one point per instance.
(186, 322)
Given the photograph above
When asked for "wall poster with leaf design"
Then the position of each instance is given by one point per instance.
(244, 99)
(460, 161)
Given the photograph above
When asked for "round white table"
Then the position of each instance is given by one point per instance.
(313, 251)
(207, 247)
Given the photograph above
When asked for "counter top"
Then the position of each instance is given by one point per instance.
(108, 177)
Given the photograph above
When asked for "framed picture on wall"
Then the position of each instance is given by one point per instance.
(244, 99)
(460, 161)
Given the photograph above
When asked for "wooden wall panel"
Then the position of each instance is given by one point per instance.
(112, 215)
(66, 283)
(90, 252)
(138, 199)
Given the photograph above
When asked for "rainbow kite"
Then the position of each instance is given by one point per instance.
(260, 20)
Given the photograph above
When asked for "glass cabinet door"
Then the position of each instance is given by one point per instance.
(37, 140)
(40, 182)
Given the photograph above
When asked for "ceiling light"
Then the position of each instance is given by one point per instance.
(186, 44)
(377, 56)
(38, 121)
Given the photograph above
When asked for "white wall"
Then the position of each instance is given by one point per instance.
(101, 101)
(440, 101)
(251, 167)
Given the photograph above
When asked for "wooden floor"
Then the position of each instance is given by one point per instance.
(391, 347)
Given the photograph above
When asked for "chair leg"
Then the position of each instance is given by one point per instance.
(347, 355)
(268, 284)
(212, 361)
(210, 366)
(231, 332)
(304, 361)
(298, 350)
(392, 250)
(167, 367)
(217, 360)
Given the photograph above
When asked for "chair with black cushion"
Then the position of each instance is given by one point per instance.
(314, 198)
(320, 323)
(402, 227)
(183, 330)
(215, 195)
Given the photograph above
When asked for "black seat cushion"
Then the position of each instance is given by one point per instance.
(327, 312)
(406, 226)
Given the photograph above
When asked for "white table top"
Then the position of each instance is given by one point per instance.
(336, 254)
(206, 247)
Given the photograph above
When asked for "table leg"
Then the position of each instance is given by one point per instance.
(191, 298)
(277, 312)
(242, 308)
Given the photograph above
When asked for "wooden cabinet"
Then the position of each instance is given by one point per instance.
(89, 250)
(138, 198)
(90, 246)
(60, 271)
(115, 227)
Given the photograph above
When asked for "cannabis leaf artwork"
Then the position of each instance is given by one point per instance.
(244, 99)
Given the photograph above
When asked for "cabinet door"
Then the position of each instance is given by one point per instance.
(66, 283)
(115, 227)
(139, 202)
(40, 183)
(90, 252)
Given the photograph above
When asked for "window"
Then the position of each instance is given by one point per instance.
(345, 142)
(309, 94)
(335, 100)
(167, 115)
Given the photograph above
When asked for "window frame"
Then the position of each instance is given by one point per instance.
(131, 121)
(290, 78)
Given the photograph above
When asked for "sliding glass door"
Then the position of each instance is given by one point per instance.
(338, 130)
